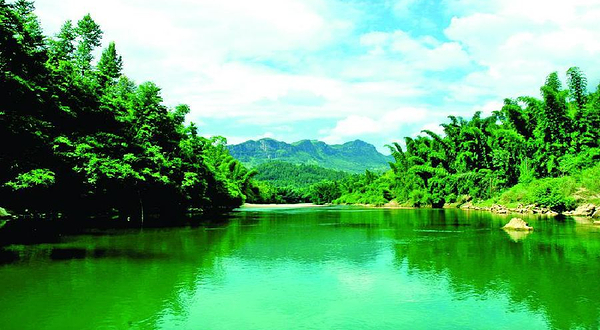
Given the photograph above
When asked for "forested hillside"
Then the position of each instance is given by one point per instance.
(79, 137)
(282, 174)
(542, 144)
(354, 156)
(281, 182)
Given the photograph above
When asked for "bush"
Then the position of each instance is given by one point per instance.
(551, 196)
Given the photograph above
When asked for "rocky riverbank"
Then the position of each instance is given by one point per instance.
(584, 210)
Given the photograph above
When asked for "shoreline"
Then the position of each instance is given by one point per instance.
(589, 211)
(279, 206)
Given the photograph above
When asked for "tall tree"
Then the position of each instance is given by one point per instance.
(110, 64)
(89, 37)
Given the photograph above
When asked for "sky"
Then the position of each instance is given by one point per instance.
(340, 70)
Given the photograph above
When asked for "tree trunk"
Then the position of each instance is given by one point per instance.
(141, 207)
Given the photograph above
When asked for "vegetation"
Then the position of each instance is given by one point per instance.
(85, 139)
(282, 182)
(559, 193)
(542, 147)
(282, 174)
(81, 138)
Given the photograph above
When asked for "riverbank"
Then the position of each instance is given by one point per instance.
(577, 195)
(279, 206)
(583, 210)
(587, 210)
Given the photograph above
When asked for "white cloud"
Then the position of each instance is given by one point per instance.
(434, 127)
(235, 28)
(488, 108)
(189, 46)
(275, 62)
(357, 125)
(422, 54)
(520, 42)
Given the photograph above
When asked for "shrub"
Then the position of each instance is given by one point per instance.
(550, 195)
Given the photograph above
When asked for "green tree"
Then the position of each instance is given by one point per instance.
(89, 36)
(110, 65)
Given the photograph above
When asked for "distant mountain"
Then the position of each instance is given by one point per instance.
(354, 156)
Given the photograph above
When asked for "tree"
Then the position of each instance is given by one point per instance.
(110, 65)
(62, 48)
(90, 141)
(577, 83)
(89, 36)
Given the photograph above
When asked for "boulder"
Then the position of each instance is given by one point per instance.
(391, 204)
(584, 210)
(517, 224)
(499, 209)
(466, 206)
(523, 208)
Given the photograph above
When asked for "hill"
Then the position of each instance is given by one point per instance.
(283, 174)
(354, 156)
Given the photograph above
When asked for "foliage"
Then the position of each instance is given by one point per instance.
(528, 139)
(283, 174)
(282, 182)
(560, 193)
(368, 188)
(40, 177)
(550, 196)
(324, 192)
(86, 139)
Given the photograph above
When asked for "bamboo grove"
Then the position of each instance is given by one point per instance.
(527, 139)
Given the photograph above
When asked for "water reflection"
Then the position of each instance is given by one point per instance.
(517, 235)
(311, 268)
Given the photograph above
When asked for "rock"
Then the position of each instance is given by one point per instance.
(544, 211)
(499, 209)
(596, 214)
(4, 213)
(391, 204)
(466, 206)
(585, 210)
(517, 224)
(524, 209)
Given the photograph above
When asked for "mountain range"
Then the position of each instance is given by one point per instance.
(354, 156)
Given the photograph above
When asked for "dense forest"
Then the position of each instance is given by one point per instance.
(79, 137)
(543, 151)
(283, 182)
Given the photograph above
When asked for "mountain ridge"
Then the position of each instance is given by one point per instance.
(353, 156)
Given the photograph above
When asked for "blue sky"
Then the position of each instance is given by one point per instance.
(341, 70)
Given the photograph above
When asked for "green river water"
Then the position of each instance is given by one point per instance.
(312, 268)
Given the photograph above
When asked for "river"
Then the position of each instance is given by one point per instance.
(311, 268)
